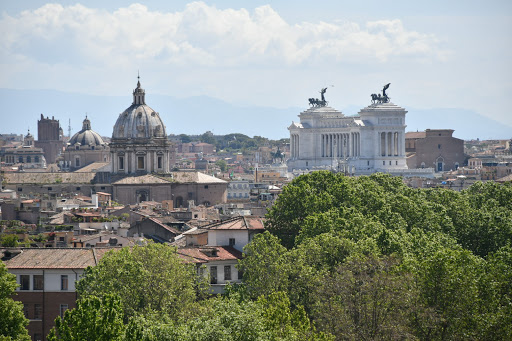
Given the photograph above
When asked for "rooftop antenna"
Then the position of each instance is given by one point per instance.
(69, 129)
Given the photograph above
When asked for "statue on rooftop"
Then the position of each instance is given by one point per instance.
(315, 102)
(377, 98)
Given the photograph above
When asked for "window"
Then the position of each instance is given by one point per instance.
(240, 274)
(396, 163)
(140, 162)
(159, 162)
(390, 163)
(49, 188)
(438, 146)
(38, 337)
(38, 311)
(20, 189)
(29, 159)
(77, 162)
(92, 147)
(213, 274)
(64, 282)
(63, 308)
(25, 310)
(231, 241)
(38, 282)
(77, 148)
(368, 163)
(20, 159)
(383, 163)
(121, 162)
(205, 186)
(227, 272)
(78, 188)
(24, 282)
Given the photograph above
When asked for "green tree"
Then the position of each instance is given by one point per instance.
(148, 279)
(207, 138)
(185, 138)
(223, 165)
(366, 299)
(9, 240)
(12, 320)
(265, 268)
(92, 319)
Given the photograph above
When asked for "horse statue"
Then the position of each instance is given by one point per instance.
(377, 98)
(315, 102)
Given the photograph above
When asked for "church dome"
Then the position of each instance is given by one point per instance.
(86, 136)
(139, 120)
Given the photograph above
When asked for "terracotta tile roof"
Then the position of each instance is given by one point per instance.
(505, 178)
(238, 223)
(195, 177)
(56, 258)
(93, 167)
(142, 179)
(204, 254)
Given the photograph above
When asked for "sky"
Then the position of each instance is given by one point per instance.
(435, 54)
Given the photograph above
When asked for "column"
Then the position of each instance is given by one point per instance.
(297, 143)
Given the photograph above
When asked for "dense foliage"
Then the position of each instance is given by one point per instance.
(344, 258)
(12, 319)
(370, 258)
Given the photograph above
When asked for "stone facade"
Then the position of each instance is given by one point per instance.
(373, 141)
(139, 143)
(49, 138)
(85, 147)
(435, 148)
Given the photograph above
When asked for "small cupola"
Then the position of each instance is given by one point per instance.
(139, 94)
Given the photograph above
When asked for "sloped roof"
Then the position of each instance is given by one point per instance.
(415, 135)
(168, 228)
(48, 178)
(203, 254)
(238, 223)
(56, 258)
(142, 179)
(93, 167)
(505, 178)
(195, 177)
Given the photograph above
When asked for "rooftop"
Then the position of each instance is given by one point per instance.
(56, 258)
(238, 223)
(203, 254)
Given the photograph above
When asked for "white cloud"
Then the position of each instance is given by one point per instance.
(200, 35)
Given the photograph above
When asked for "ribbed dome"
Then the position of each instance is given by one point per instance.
(86, 136)
(139, 120)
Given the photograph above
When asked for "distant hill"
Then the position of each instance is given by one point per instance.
(22, 108)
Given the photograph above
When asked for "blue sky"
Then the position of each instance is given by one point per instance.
(435, 54)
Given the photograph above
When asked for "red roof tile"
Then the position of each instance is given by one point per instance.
(204, 254)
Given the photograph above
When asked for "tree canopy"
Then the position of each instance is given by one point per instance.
(12, 319)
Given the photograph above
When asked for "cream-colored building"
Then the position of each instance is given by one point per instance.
(372, 141)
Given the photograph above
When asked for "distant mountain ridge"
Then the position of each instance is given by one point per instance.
(194, 115)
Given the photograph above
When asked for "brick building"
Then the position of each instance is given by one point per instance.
(49, 137)
(47, 278)
(435, 148)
